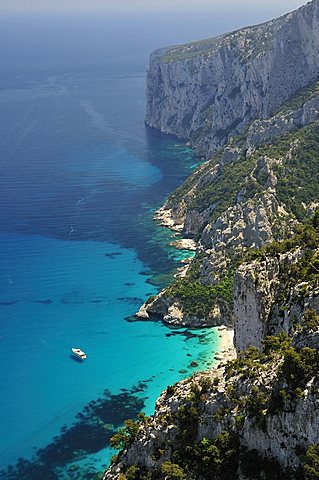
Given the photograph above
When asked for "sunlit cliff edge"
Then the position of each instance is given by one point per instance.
(249, 102)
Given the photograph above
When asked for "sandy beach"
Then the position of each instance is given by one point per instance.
(226, 346)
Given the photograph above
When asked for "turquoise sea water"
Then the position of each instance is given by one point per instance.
(80, 180)
(56, 294)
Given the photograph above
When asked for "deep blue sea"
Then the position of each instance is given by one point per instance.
(81, 177)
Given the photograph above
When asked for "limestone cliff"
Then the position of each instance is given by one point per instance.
(251, 193)
(210, 90)
(248, 101)
(247, 195)
(266, 303)
(255, 417)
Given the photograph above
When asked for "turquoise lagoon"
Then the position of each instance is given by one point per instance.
(57, 294)
(80, 180)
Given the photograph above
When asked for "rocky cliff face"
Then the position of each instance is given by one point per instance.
(210, 90)
(247, 196)
(265, 303)
(250, 209)
(257, 416)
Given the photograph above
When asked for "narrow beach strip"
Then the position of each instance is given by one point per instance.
(226, 349)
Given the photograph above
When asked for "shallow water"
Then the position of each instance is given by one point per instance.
(56, 294)
(80, 180)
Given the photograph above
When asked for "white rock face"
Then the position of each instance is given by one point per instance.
(254, 291)
(262, 305)
(299, 426)
(284, 435)
(210, 90)
(247, 224)
(265, 131)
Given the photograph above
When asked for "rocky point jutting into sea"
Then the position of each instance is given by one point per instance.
(249, 102)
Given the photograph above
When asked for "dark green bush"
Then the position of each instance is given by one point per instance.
(198, 299)
(172, 471)
(311, 463)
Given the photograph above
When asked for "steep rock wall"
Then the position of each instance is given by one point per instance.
(267, 303)
(210, 90)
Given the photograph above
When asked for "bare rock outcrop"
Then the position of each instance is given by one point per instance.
(210, 90)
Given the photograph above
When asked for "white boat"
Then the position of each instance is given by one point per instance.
(79, 353)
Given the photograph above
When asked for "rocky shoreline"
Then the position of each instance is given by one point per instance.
(248, 101)
(157, 307)
(262, 404)
(165, 218)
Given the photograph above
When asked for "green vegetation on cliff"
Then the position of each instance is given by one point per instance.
(297, 169)
(306, 237)
(256, 40)
(220, 457)
(222, 193)
(296, 166)
(304, 95)
(305, 270)
(198, 299)
(257, 387)
(193, 457)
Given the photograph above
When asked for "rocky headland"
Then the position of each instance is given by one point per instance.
(249, 192)
(210, 90)
(248, 101)
(257, 416)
